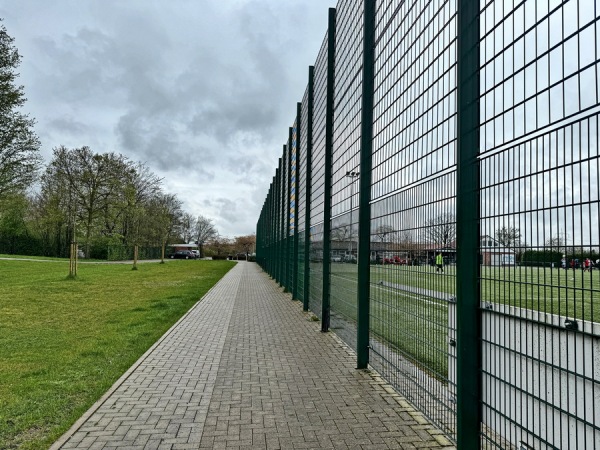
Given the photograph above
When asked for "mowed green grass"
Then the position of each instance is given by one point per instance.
(416, 325)
(569, 293)
(64, 342)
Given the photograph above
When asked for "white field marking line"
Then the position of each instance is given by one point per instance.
(395, 291)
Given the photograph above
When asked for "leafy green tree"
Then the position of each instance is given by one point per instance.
(87, 184)
(104, 201)
(19, 145)
(163, 218)
(14, 232)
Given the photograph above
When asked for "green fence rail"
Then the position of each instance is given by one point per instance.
(437, 206)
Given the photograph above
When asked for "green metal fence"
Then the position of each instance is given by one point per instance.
(437, 206)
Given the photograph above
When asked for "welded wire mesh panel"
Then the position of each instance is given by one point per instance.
(279, 224)
(345, 162)
(302, 193)
(318, 182)
(270, 229)
(539, 231)
(291, 235)
(286, 216)
(413, 227)
(283, 212)
(540, 239)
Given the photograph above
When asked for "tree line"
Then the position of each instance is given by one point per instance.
(102, 201)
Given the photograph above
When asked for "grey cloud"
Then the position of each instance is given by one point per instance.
(160, 146)
(250, 168)
(200, 87)
(69, 125)
(73, 67)
(228, 209)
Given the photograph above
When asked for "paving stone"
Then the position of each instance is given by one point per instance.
(246, 369)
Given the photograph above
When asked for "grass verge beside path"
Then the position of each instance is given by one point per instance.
(63, 342)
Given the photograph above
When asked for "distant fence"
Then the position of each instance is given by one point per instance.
(126, 252)
(435, 204)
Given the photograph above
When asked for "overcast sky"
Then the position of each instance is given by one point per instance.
(202, 91)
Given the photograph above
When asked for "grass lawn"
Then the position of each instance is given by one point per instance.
(416, 325)
(64, 342)
(47, 258)
(556, 291)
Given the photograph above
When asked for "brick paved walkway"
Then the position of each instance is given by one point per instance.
(246, 368)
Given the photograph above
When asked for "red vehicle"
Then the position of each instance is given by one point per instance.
(396, 260)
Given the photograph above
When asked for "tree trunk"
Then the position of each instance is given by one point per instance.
(135, 257)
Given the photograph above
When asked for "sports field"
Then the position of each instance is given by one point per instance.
(409, 304)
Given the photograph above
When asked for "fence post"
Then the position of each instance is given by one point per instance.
(468, 313)
(296, 166)
(272, 226)
(282, 227)
(364, 206)
(307, 224)
(267, 231)
(288, 210)
(281, 253)
(327, 185)
(278, 227)
(264, 241)
(260, 233)
(284, 217)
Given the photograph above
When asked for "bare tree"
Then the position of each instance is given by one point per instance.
(130, 206)
(508, 236)
(383, 231)
(204, 232)
(343, 233)
(405, 240)
(558, 244)
(441, 230)
(187, 227)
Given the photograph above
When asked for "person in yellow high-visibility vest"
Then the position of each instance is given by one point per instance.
(439, 262)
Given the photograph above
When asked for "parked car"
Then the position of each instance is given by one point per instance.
(350, 259)
(183, 254)
(196, 253)
(336, 258)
